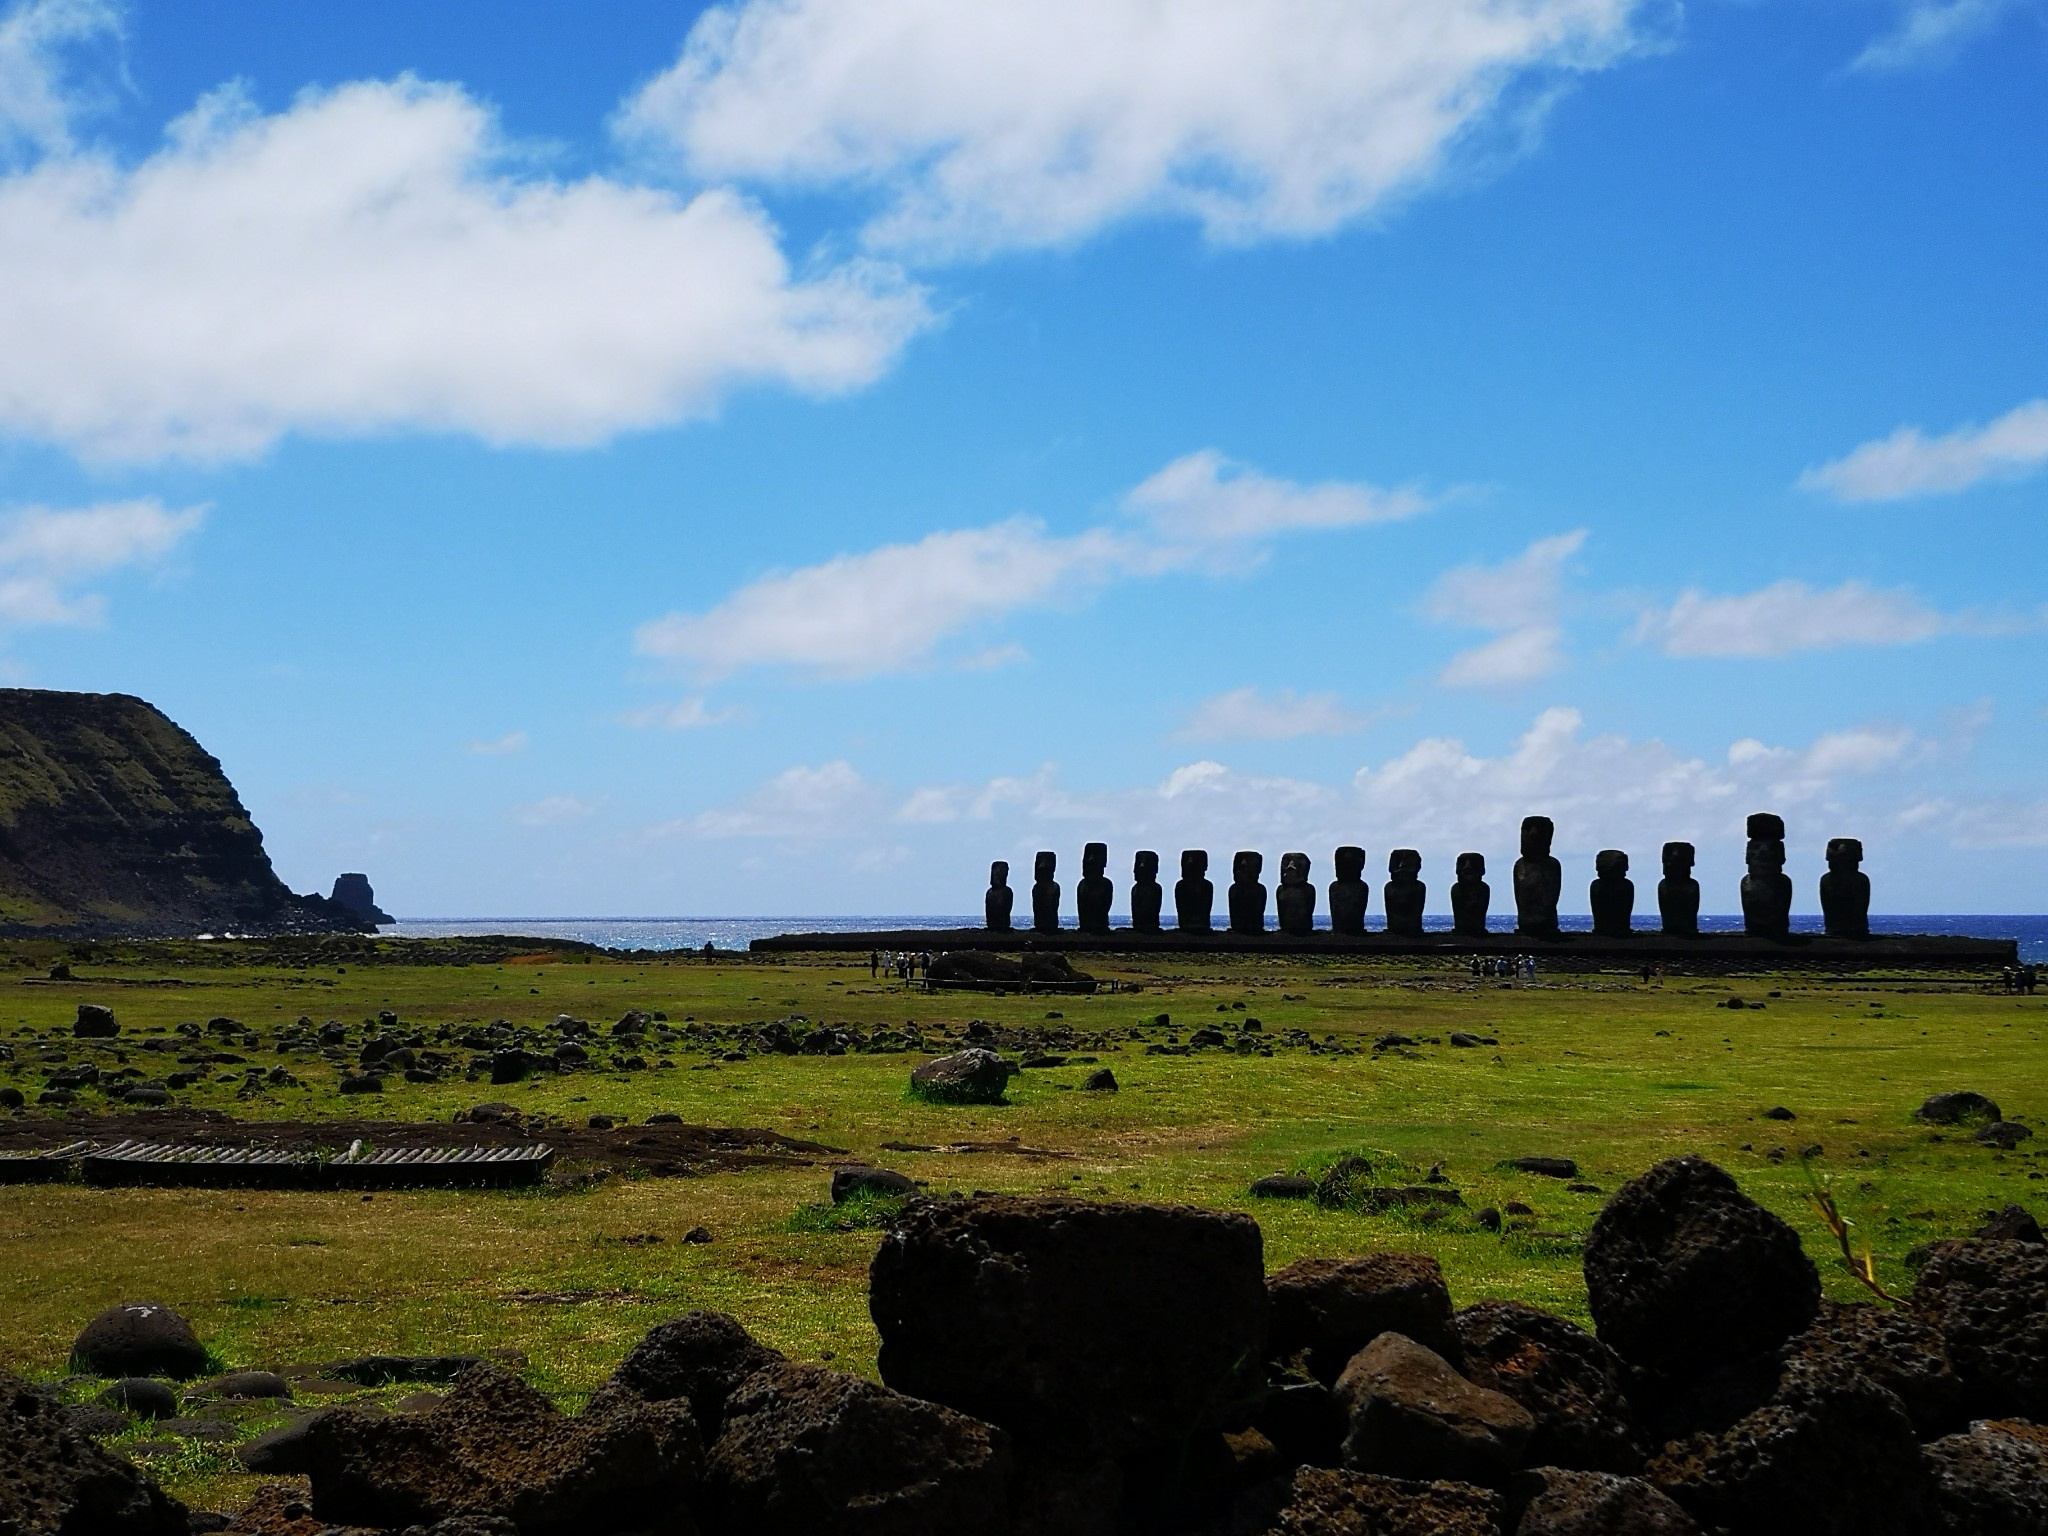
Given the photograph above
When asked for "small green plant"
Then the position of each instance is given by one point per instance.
(864, 1211)
(1822, 1198)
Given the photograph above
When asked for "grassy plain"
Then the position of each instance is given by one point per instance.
(1605, 1070)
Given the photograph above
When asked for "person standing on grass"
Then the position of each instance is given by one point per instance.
(874, 963)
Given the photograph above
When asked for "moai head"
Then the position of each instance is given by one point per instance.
(999, 872)
(1471, 866)
(1146, 865)
(1350, 863)
(1537, 831)
(1765, 856)
(1610, 864)
(1678, 860)
(1845, 854)
(1294, 869)
(1043, 866)
(1245, 867)
(1763, 826)
(1194, 863)
(1404, 863)
(1094, 859)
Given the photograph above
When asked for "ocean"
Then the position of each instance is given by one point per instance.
(735, 932)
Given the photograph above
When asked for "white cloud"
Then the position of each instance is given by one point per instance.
(1789, 616)
(368, 261)
(798, 805)
(890, 608)
(692, 713)
(1246, 714)
(45, 553)
(1909, 464)
(555, 811)
(1519, 597)
(503, 746)
(36, 107)
(1037, 122)
(1932, 31)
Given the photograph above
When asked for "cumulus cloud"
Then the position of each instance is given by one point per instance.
(502, 746)
(46, 553)
(800, 804)
(1910, 464)
(370, 260)
(1932, 32)
(1246, 714)
(886, 609)
(1038, 122)
(1789, 616)
(1521, 598)
(37, 106)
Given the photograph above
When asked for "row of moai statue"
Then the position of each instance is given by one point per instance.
(1538, 879)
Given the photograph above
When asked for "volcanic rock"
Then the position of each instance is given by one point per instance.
(1894, 1350)
(972, 1076)
(54, 1479)
(1413, 1416)
(1572, 1385)
(1330, 1502)
(699, 1357)
(1574, 1503)
(1333, 1308)
(1953, 1108)
(139, 1338)
(2013, 1224)
(143, 1396)
(95, 1022)
(858, 1180)
(1990, 1301)
(1992, 1481)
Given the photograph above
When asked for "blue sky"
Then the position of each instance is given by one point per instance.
(636, 459)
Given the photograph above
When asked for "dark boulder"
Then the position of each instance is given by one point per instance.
(1894, 1350)
(1989, 1299)
(2012, 1224)
(1577, 1503)
(54, 1481)
(139, 1338)
(366, 1082)
(1330, 1502)
(1954, 1108)
(700, 1357)
(1333, 1308)
(1101, 1080)
(807, 1451)
(1412, 1415)
(1992, 1481)
(96, 1420)
(972, 1076)
(512, 1065)
(858, 1180)
(288, 1449)
(1071, 1323)
(95, 1022)
(497, 1447)
(2003, 1134)
(1284, 1186)
(1547, 1167)
(1573, 1385)
(244, 1384)
(1683, 1271)
(143, 1396)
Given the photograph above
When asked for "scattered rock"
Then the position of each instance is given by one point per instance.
(2003, 1134)
(11, 1098)
(972, 1076)
(1413, 1416)
(1103, 1328)
(807, 1451)
(377, 1370)
(1991, 1481)
(1779, 1112)
(699, 1357)
(95, 1419)
(283, 1451)
(1548, 1167)
(2013, 1224)
(1489, 1218)
(139, 1338)
(1333, 1308)
(490, 1114)
(257, 1384)
(142, 1396)
(362, 1083)
(53, 1479)
(1329, 1502)
(1989, 1299)
(858, 1180)
(1576, 1503)
(601, 1122)
(1283, 1186)
(1101, 1080)
(698, 1235)
(1954, 1108)
(95, 1022)
(1684, 1271)
(1573, 1386)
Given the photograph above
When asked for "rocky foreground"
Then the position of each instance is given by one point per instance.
(1065, 1367)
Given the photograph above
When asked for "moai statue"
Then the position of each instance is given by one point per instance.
(1538, 880)
(1678, 894)
(1845, 891)
(1247, 895)
(1194, 898)
(996, 905)
(1349, 894)
(1470, 896)
(1045, 894)
(1294, 900)
(1766, 889)
(1094, 893)
(1612, 894)
(1146, 896)
(1404, 893)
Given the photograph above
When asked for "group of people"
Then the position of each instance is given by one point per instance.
(1510, 967)
(904, 965)
(2021, 978)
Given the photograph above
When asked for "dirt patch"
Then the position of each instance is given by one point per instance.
(670, 1150)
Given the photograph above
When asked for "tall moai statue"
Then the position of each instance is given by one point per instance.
(1766, 889)
(1294, 899)
(1470, 896)
(1349, 894)
(1845, 891)
(1539, 880)
(1146, 896)
(995, 906)
(1612, 894)
(1404, 893)
(1194, 897)
(1678, 894)
(1093, 893)
(1045, 894)
(1247, 895)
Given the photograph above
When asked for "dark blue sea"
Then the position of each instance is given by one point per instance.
(735, 932)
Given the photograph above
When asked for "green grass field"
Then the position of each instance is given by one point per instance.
(1604, 1070)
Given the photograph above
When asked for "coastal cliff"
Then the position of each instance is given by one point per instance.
(114, 821)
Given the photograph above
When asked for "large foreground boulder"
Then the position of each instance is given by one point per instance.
(495, 1447)
(1894, 1350)
(1101, 1328)
(139, 1338)
(56, 1482)
(1992, 1481)
(1571, 1503)
(1990, 1301)
(811, 1452)
(700, 1357)
(1684, 1271)
(1330, 1502)
(1413, 1416)
(1333, 1308)
(1572, 1385)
